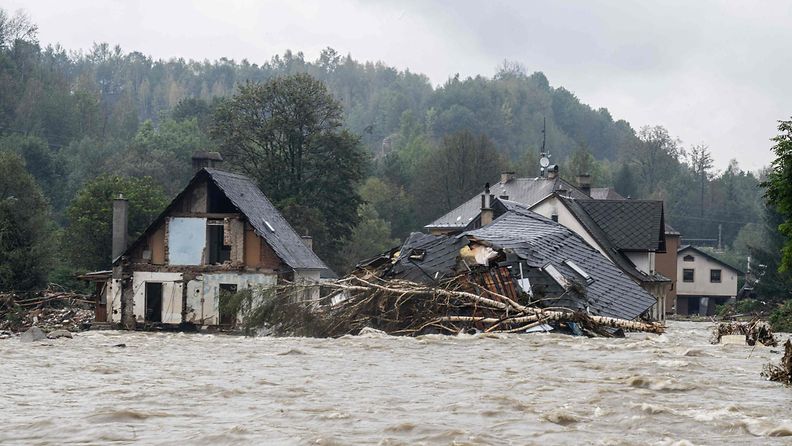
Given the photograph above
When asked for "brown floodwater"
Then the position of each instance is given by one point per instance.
(173, 388)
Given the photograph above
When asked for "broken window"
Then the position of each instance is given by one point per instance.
(227, 314)
(219, 251)
(186, 240)
(557, 276)
(579, 270)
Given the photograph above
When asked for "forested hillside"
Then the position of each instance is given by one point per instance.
(77, 117)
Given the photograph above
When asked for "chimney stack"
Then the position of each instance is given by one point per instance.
(120, 219)
(202, 159)
(487, 213)
(584, 183)
(506, 177)
(552, 171)
(308, 241)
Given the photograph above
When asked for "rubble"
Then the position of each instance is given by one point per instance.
(33, 334)
(783, 372)
(360, 305)
(753, 332)
(49, 310)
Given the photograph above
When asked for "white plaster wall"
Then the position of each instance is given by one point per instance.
(552, 206)
(203, 293)
(309, 277)
(171, 295)
(641, 260)
(701, 285)
(114, 300)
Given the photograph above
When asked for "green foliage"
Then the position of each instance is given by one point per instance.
(779, 188)
(781, 318)
(370, 237)
(88, 236)
(26, 244)
(287, 134)
(454, 172)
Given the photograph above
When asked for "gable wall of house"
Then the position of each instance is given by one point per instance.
(701, 285)
(553, 206)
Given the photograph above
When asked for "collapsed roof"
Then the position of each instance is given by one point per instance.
(532, 246)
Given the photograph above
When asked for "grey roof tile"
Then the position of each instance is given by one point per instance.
(630, 225)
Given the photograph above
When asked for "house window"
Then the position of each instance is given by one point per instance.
(715, 275)
(687, 275)
(688, 258)
(219, 252)
(554, 217)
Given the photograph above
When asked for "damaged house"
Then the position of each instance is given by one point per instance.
(518, 253)
(629, 233)
(220, 234)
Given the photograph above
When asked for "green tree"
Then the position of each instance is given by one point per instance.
(370, 237)
(287, 134)
(779, 188)
(25, 228)
(87, 240)
(701, 163)
(455, 172)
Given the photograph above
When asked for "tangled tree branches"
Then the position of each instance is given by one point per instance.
(781, 373)
(754, 331)
(406, 308)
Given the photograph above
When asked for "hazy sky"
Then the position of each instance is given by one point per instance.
(712, 72)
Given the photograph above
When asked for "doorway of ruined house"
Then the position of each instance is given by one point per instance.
(227, 317)
(153, 302)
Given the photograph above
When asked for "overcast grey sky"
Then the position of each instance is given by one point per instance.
(712, 72)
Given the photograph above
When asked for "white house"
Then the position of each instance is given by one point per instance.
(703, 281)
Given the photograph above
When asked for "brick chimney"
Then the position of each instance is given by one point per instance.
(506, 177)
(487, 213)
(120, 220)
(206, 159)
(584, 183)
(307, 240)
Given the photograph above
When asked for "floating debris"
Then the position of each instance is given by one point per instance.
(753, 331)
(781, 373)
(49, 310)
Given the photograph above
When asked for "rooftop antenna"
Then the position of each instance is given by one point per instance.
(544, 158)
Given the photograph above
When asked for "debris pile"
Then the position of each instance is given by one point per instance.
(783, 372)
(50, 310)
(400, 307)
(754, 331)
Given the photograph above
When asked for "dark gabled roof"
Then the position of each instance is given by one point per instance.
(630, 225)
(527, 191)
(709, 256)
(605, 193)
(436, 257)
(540, 241)
(603, 240)
(262, 215)
(252, 203)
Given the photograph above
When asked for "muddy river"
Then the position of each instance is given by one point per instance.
(170, 388)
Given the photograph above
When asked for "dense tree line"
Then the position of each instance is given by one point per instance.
(82, 123)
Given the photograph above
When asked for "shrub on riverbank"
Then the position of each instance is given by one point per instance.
(781, 318)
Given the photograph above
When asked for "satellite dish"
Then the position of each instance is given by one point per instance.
(544, 161)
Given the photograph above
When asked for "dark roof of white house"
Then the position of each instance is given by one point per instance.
(527, 191)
